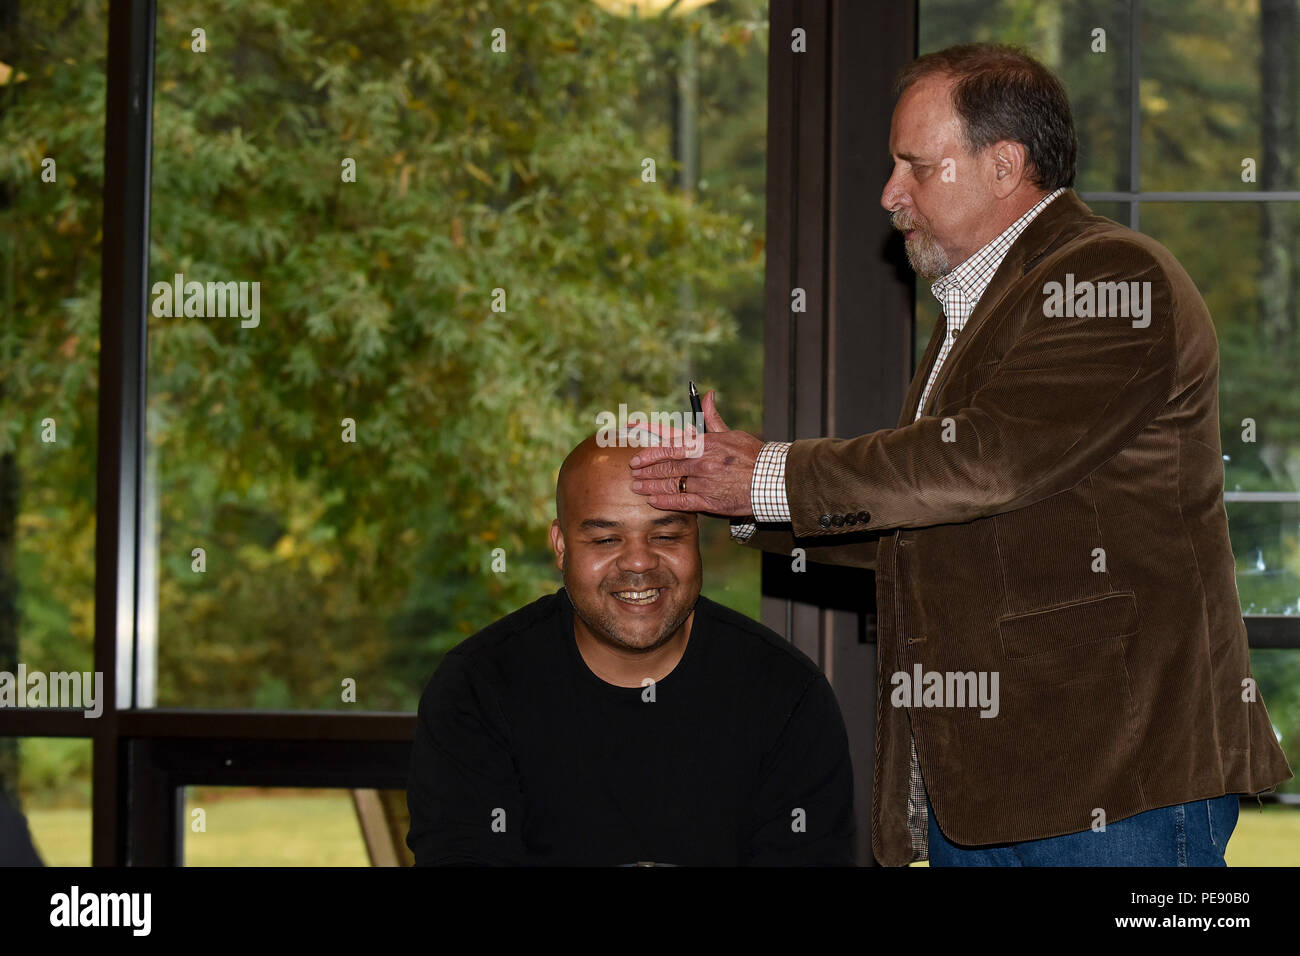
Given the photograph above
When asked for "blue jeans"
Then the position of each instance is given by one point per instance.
(1186, 834)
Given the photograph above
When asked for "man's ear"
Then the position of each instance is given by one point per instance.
(1010, 161)
(557, 543)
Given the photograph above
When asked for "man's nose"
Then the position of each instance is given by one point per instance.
(637, 555)
(893, 196)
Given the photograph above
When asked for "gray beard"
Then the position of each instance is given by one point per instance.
(927, 258)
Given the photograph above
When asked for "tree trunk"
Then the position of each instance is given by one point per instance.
(1277, 285)
(1279, 277)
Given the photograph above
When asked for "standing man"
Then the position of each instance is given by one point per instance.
(1046, 521)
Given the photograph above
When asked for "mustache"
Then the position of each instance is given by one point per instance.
(904, 222)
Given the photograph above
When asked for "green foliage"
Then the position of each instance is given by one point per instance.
(55, 772)
(476, 171)
(51, 105)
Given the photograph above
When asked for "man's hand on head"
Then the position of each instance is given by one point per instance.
(718, 478)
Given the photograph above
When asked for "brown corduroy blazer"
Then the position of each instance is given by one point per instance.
(1055, 516)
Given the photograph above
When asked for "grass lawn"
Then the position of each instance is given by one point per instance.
(245, 827)
(274, 828)
(1267, 837)
(61, 835)
(248, 827)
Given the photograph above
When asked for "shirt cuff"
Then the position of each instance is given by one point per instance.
(742, 530)
(767, 492)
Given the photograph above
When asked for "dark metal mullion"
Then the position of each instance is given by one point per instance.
(1186, 196)
(809, 364)
(1135, 114)
(254, 725)
(868, 342)
(795, 139)
(154, 820)
(46, 722)
(127, 131)
(1273, 631)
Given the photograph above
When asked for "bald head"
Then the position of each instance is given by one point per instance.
(590, 466)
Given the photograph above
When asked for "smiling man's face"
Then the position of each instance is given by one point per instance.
(633, 571)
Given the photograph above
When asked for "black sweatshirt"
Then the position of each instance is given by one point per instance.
(523, 756)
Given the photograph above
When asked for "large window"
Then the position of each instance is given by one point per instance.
(399, 256)
(431, 242)
(465, 235)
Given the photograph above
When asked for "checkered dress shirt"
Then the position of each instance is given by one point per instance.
(958, 292)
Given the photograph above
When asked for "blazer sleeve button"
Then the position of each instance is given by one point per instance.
(838, 521)
(850, 518)
(825, 521)
(864, 516)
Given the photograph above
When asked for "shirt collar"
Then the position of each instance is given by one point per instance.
(973, 276)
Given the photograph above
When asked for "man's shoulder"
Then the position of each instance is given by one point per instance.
(1098, 244)
(757, 647)
(514, 642)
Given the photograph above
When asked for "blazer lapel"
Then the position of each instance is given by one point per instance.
(1037, 239)
(923, 372)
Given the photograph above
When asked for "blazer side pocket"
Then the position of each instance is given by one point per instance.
(1070, 625)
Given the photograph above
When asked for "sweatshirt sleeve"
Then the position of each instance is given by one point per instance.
(804, 804)
(463, 789)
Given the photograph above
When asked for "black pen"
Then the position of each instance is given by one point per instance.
(697, 409)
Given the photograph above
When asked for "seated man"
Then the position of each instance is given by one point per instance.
(626, 719)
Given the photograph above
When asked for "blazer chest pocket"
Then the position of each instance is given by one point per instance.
(1070, 625)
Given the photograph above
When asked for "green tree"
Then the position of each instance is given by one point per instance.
(477, 169)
